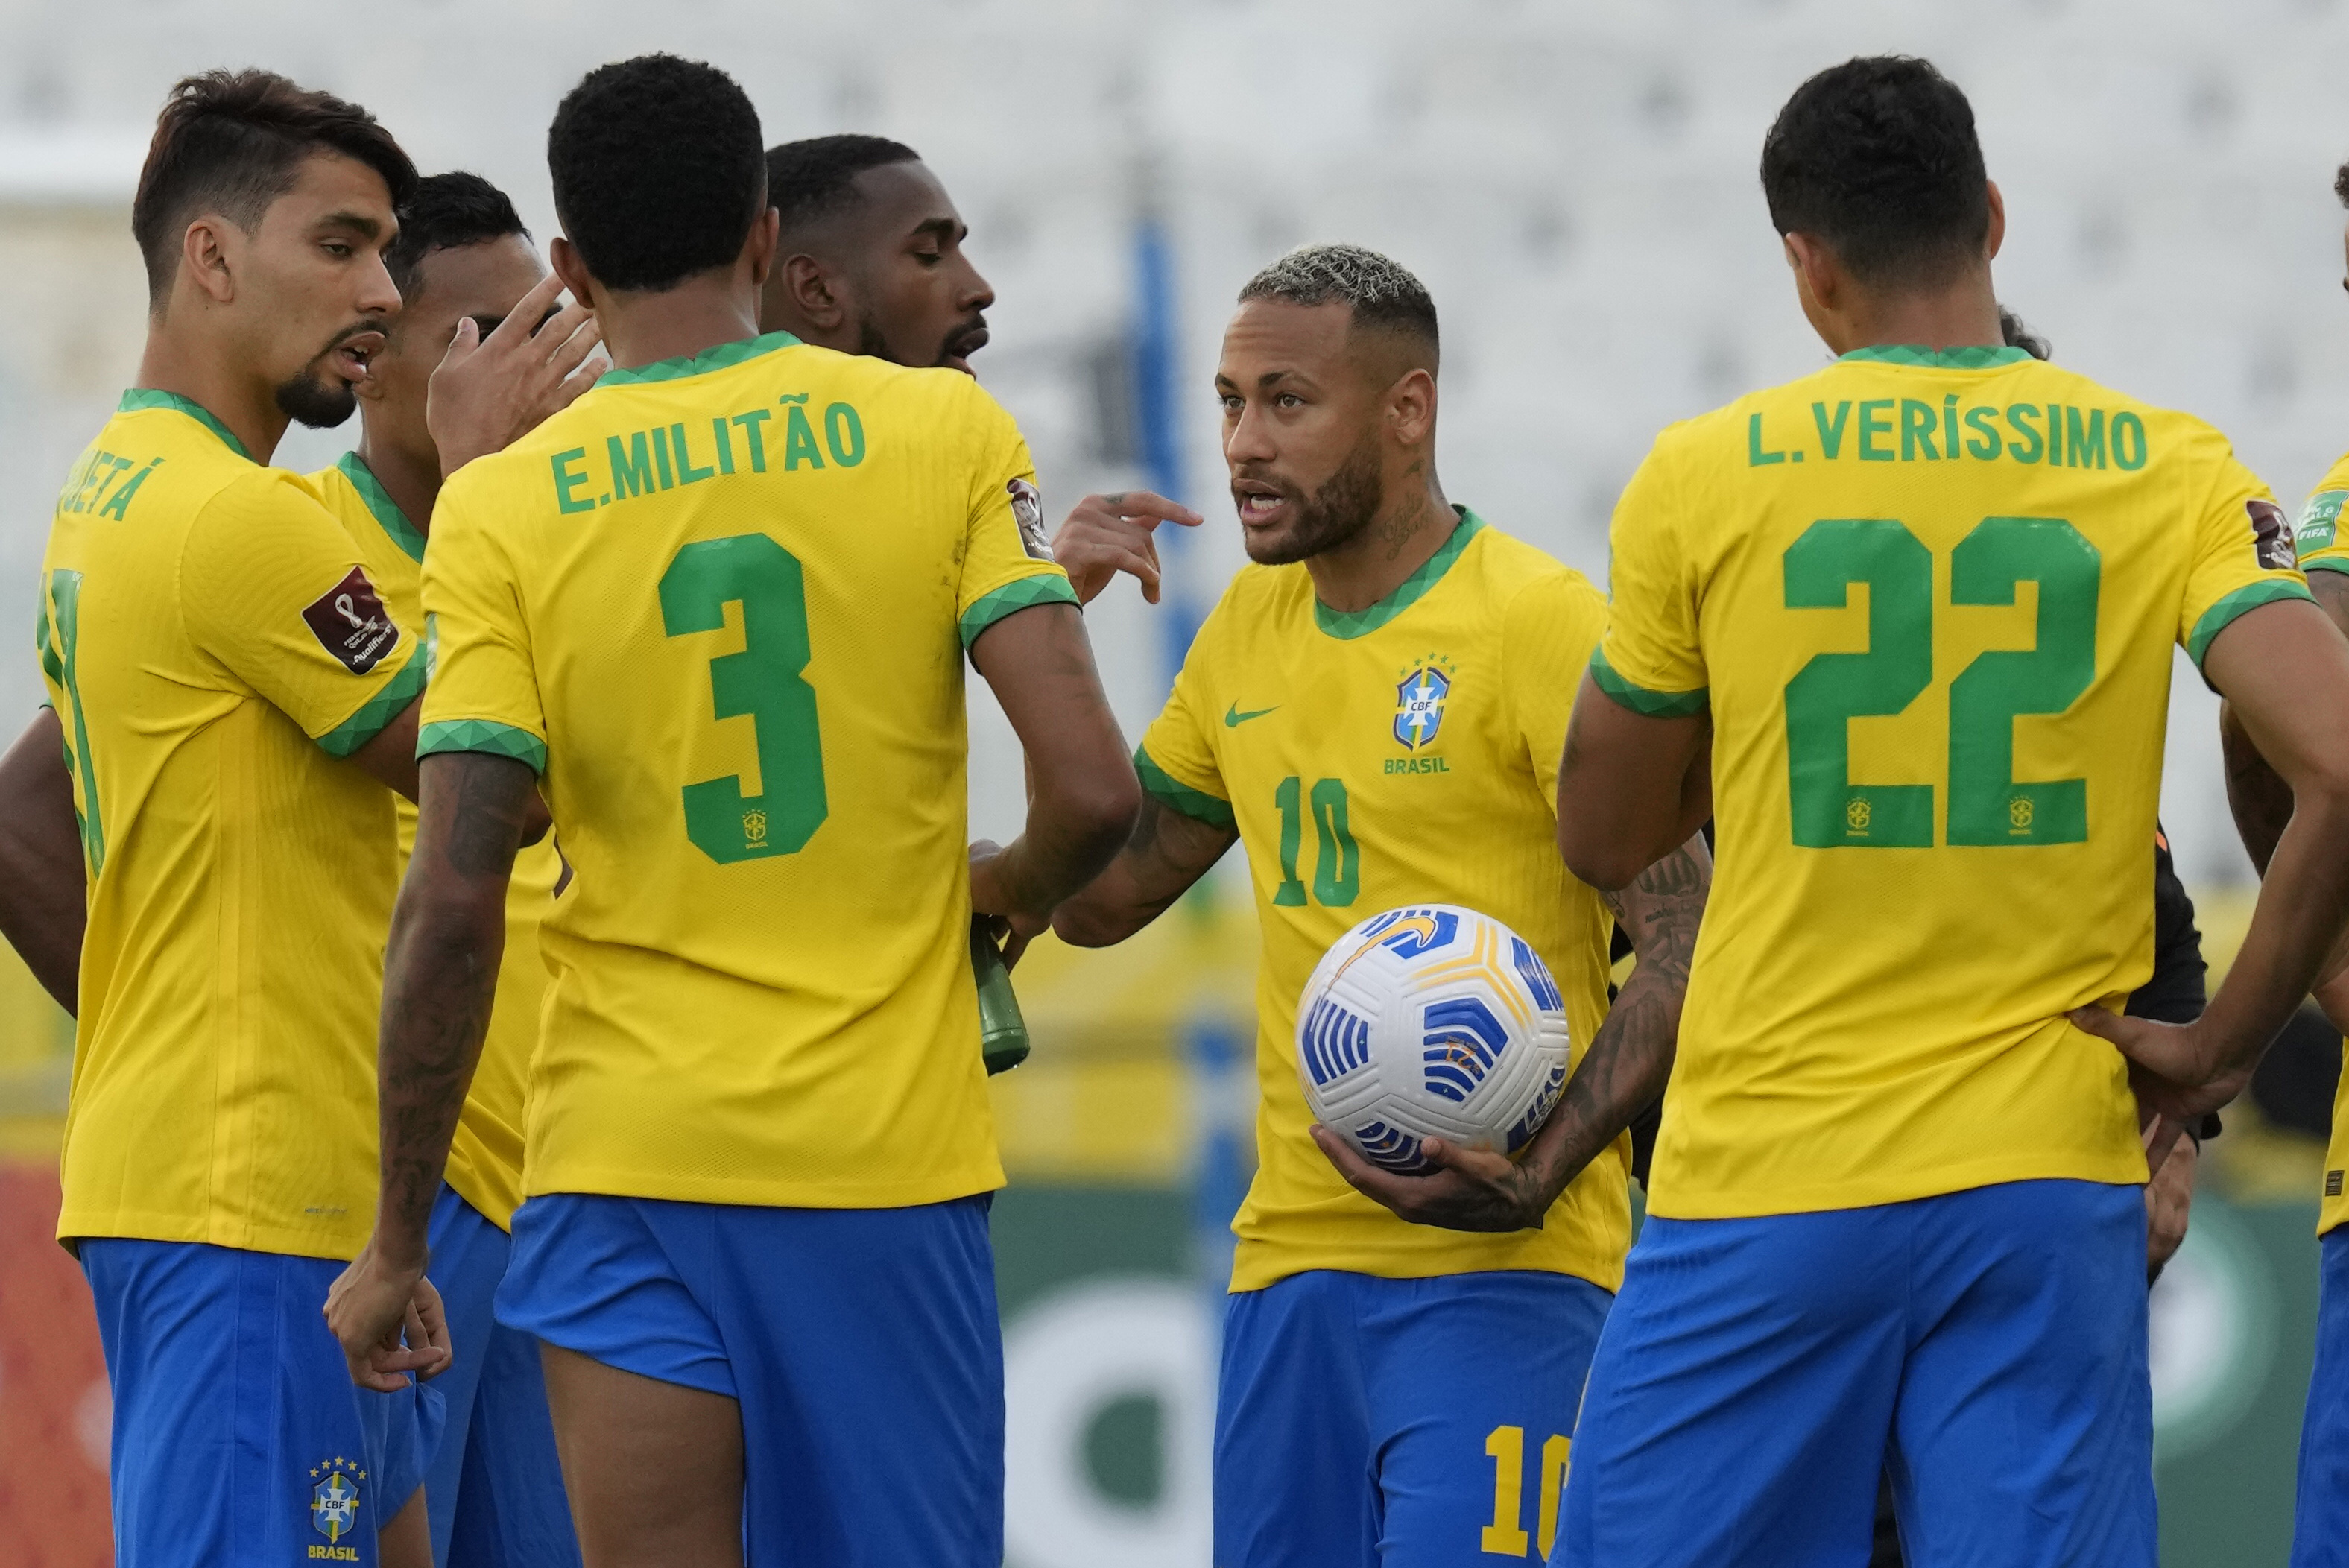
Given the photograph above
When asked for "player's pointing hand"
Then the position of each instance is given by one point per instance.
(1107, 534)
(490, 391)
(390, 1323)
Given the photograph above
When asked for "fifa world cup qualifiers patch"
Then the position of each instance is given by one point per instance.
(350, 622)
(1027, 510)
(2272, 539)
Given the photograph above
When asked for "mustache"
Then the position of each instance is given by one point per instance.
(967, 337)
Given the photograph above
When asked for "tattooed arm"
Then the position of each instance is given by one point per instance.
(440, 972)
(1621, 1075)
(1167, 853)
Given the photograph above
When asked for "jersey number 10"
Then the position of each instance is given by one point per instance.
(1986, 804)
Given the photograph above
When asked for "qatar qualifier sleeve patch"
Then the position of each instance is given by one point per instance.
(350, 622)
(1028, 511)
(2272, 539)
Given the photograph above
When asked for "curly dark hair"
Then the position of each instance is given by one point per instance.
(1877, 159)
(658, 170)
(814, 178)
(232, 143)
(447, 210)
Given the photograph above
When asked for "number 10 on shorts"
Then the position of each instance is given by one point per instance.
(1505, 1536)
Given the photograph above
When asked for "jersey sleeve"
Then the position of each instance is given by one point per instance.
(2317, 540)
(1176, 760)
(1650, 660)
(2242, 558)
(1548, 635)
(1006, 561)
(485, 693)
(273, 588)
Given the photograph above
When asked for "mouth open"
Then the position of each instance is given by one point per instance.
(962, 345)
(350, 357)
(1260, 504)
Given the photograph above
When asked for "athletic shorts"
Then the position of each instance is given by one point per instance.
(2320, 1525)
(860, 1343)
(495, 1491)
(239, 1436)
(1986, 1348)
(1415, 1423)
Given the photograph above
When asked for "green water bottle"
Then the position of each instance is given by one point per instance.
(1002, 1032)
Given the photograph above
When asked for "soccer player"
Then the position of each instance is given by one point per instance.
(1920, 606)
(869, 259)
(495, 1490)
(234, 698)
(722, 603)
(2263, 808)
(1375, 711)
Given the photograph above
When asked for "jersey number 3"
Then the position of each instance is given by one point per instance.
(1986, 804)
(764, 680)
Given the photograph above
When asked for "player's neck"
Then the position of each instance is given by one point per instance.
(1411, 526)
(1964, 315)
(692, 318)
(245, 402)
(412, 482)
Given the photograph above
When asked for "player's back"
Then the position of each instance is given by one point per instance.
(1928, 600)
(722, 603)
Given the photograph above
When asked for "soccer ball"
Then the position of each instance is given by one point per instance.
(1432, 1021)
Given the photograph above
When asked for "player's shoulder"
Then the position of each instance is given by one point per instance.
(1509, 568)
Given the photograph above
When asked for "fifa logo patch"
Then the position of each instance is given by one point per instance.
(1420, 698)
(335, 1506)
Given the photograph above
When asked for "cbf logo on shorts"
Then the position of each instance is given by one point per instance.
(1420, 697)
(335, 1508)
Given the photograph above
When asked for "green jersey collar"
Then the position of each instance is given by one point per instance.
(708, 359)
(1348, 625)
(1972, 356)
(140, 397)
(386, 511)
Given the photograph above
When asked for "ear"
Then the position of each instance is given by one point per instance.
(1997, 233)
(1411, 407)
(809, 288)
(209, 250)
(1817, 271)
(758, 246)
(563, 257)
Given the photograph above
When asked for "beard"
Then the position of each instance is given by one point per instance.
(1337, 510)
(320, 402)
(967, 338)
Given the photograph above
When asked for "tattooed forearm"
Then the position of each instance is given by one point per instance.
(1165, 854)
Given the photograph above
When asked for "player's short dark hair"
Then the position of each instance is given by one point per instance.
(1878, 157)
(2018, 335)
(1382, 291)
(658, 170)
(2340, 183)
(447, 210)
(816, 178)
(231, 142)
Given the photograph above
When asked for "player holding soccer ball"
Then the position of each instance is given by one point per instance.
(1376, 709)
(1905, 628)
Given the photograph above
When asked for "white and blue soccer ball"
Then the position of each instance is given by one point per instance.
(1432, 1021)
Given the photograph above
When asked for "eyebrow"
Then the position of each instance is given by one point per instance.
(371, 227)
(944, 228)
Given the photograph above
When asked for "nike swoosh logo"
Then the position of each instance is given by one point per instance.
(1234, 717)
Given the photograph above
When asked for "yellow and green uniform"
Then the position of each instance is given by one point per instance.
(1406, 753)
(485, 1159)
(214, 644)
(1928, 599)
(2320, 548)
(721, 605)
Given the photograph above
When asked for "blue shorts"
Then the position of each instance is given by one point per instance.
(1415, 1422)
(239, 1436)
(1986, 1348)
(861, 1344)
(2320, 1525)
(495, 1493)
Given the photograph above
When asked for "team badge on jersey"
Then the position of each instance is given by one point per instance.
(335, 1506)
(1420, 698)
(1028, 511)
(2271, 539)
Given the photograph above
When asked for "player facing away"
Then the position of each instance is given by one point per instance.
(234, 697)
(869, 259)
(494, 1493)
(1920, 605)
(2263, 803)
(1390, 1393)
(719, 605)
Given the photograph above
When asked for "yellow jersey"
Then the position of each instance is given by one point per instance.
(485, 1159)
(2320, 548)
(212, 644)
(722, 603)
(1928, 599)
(1407, 753)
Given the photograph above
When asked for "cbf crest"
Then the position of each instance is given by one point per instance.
(335, 1504)
(1420, 698)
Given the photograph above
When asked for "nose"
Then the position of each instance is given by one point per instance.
(1247, 437)
(379, 295)
(974, 293)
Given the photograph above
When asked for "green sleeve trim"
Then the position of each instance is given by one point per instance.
(1640, 699)
(1044, 588)
(379, 710)
(2222, 615)
(1172, 792)
(2326, 563)
(482, 735)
